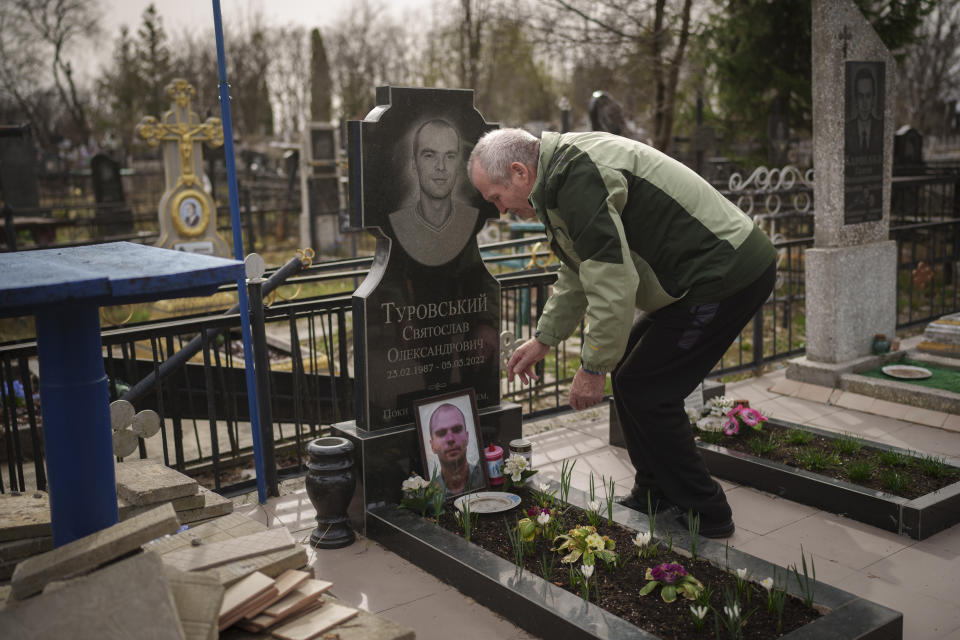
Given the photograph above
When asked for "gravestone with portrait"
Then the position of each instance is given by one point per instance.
(113, 217)
(427, 317)
(188, 214)
(851, 269)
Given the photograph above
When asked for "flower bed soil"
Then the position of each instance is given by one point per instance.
(619, 587)
(917, 481)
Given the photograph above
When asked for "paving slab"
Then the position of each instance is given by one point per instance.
(100, 606)
(127, 510)
(14, 551)
(89, 552)
(24, 515)
(142, 482)
(313, 624)
(197, 596)
(214, 505)
(213, 554)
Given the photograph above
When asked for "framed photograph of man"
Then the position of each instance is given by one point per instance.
(450, 441)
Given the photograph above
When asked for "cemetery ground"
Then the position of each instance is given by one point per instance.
(916, 578)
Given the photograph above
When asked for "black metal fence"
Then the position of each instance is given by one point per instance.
(203, 406)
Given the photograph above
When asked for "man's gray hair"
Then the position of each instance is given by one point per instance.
(498, 148)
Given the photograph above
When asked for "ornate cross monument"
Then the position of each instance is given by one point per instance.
(188, 217)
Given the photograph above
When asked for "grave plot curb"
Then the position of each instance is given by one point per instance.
(918, 518)
(545, 610)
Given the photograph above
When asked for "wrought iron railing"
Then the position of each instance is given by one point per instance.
(205, 428)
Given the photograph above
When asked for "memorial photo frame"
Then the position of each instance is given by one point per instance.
(450, 441)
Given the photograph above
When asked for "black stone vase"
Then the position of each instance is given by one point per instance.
(330, 482)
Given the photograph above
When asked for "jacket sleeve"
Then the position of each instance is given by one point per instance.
(589, 202)
(564, 308)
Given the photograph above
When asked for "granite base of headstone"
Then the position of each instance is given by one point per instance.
(386, 457)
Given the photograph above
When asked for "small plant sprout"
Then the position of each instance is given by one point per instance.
(586, 572)
(642, 543)
(439, 498)
(585, 542)
(466, 520)
(566, 475)
(673, 580)
(743, 578)
(593, 512)
(593, 491)
(776, 599)
(516, 470)
(517, 544)
(733, 619)
(544, 496)
(693, 526)
(699, 616)
(651, 514)
(547, 561)
(808, 581)
(610, 494)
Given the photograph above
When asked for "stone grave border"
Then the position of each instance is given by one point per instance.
(918, 518)
(547, 610)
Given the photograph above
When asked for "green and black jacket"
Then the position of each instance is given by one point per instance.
(633, 227)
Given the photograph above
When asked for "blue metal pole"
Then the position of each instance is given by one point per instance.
(238, 254)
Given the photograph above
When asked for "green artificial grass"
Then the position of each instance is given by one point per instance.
(946, 379)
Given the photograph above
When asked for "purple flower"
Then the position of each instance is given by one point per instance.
(752, 417)
(731, 427)
(668, 572)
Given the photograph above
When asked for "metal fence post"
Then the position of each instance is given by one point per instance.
(261, 364)
(10, 228)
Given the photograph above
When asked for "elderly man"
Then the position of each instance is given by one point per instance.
(434, 229)
(448, 440)
(635, 228)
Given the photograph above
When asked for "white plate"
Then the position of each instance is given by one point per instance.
(488, 501)
(906, 372)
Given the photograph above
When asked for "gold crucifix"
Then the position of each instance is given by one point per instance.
(183, 126)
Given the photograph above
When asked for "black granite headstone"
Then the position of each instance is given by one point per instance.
(18, 170)
(908, 152)
(427, 317)
(113, 217)
(863, 143)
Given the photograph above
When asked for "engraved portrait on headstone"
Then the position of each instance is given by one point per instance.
(427, 317)
(863, 144)
(436, 225)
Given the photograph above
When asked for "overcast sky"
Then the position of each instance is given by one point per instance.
(197, 15)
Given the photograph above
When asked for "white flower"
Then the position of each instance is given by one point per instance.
(594, 505)
(710, 423)
(543, 487)
(732, 612)
(543, 519)
(767, 583)
(586, 570)
(742, 574)
(699, 612)
(642, 539)
(414, 483)
(719, 405)
(515, 466)
(692, 414)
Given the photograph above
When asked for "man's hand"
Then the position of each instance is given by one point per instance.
(521, 362)
(587, 389)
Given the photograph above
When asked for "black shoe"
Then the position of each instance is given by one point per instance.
(639, 503)
(708, 529)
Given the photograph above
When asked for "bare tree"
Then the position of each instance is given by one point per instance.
(929, 78)
(32, 31)
(651, 37)
(290, 80)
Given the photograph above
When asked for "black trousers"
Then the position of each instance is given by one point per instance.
(668, 354)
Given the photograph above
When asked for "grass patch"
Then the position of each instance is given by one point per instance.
(846, 445)
(860, 470)
(814, 459)
(799, 437)
(894, 482)
(893, 459)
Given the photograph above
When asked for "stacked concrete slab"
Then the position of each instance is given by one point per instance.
(142, 484)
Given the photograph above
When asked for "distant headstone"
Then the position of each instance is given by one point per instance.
(188, 215)
(427, 318)
(908, 152)
(18, 169)
(851, 270)
(321, 191)
(113, 217)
